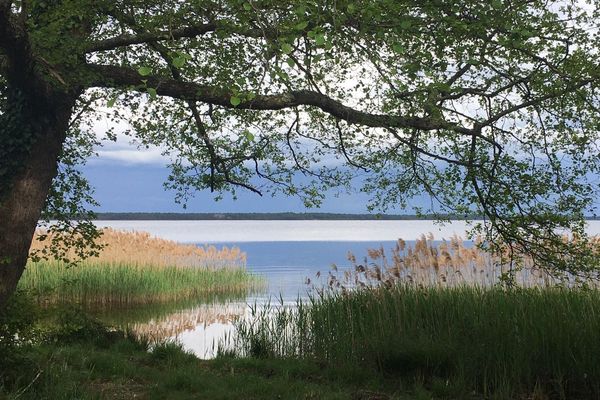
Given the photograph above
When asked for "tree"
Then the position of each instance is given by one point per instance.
(488, 107)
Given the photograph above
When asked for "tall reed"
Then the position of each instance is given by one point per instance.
(500, 344)
(123, 284)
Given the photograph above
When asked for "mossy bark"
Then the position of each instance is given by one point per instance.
(24, 193)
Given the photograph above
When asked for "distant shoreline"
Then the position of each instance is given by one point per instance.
(142, 216)
(263, 216)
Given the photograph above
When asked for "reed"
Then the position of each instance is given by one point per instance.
(525, 343)
(135, 268)
(140, 248)
(450, 263)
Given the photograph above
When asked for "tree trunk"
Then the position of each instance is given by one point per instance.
(22, 204)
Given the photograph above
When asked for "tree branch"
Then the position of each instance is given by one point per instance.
(533, 102)
(3, 64)
(109, 76)
(175, 34)
(16, 60)
(147, 37)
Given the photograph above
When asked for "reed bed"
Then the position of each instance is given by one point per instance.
(440, 314)
(525, 343)
(125, 284)
(140, 248)
(135, 268)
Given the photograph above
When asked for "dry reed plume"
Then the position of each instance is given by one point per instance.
(450, 263)
(140, 248)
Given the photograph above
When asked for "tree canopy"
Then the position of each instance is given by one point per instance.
(488, 107)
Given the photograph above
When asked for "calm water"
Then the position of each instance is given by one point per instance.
(285, 253)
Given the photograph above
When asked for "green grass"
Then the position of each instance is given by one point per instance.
(75, 357)
(124, 284)
(124, 371)
(398, 343)
(499, 344)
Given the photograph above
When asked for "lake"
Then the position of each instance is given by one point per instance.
(285, 253)
(288, 252)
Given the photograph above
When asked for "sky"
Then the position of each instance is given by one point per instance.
(127, 179)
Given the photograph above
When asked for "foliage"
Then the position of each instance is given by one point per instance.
(16, 323)
(71, 236)
(488, 108)
(15, 135)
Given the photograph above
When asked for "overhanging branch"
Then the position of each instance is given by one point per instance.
(109, 76)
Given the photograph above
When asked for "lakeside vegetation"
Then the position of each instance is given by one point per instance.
(433, 320)
(75, 357)
(135, 268)
(455, 342)
(124, 284)
(454, 262)
(377, 343)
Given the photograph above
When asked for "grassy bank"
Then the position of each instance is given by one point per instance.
(122, 369)
(135, 268)
(527, 343)
(400, 343)
(72, 356)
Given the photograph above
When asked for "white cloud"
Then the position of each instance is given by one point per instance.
(131, 156)
(124, 150)
(127, 152)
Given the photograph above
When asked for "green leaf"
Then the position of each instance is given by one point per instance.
(179, 61)
(235, 101)
(320, 39)
(351, 8)
(248, 135)
(290, 61)
(247, 6)
(144, 71)
(405, 24)
(398, 48)
(301, 25)
(286, 48)
(526, 33)
(111, 102)
(152, 92)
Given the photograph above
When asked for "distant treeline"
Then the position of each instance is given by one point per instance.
(268, 216)
(143, 216)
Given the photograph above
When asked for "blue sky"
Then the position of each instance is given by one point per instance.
(130, 180)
